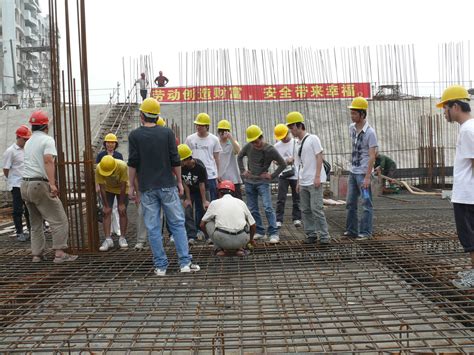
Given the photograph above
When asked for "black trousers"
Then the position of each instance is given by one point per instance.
(143, 94)
(19, 208)
(464, 217)
(283, 185)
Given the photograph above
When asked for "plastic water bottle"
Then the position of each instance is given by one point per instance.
(365, 194)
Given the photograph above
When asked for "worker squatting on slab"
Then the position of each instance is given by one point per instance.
(228, 222)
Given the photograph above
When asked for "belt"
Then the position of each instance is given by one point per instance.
(36, 179)
(231, 233)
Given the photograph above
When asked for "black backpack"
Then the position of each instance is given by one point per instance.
(326, 165)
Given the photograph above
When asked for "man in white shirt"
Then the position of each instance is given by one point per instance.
(143, 83)
(309, 160)
(228, 222)
(40, 193)
(228, 157)
(455, 102)
(13, 170)
(286, 146)
(206, 147)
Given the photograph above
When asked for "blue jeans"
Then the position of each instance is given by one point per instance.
(253, 191)
(152, 201)
(354, 185)
(212, 186)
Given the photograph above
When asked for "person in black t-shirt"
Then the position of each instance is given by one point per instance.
(194, 176)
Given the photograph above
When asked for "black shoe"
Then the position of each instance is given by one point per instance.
(349, 235)
(310, 240)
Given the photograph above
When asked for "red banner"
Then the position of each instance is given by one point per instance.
(262, 92)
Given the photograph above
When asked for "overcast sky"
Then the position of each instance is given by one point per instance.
(122, 28)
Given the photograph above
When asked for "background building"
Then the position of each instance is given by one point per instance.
(25, 57)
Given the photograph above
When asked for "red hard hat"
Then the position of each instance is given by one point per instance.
(39, 118)
(226, 185)
(23, 132)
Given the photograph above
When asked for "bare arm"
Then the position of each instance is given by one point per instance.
(49, 167)
(132, 176)
(202, 191)
(216, 158)
(177, 173)
(370, 167)
(319, 166)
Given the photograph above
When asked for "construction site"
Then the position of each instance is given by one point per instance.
(391, 294)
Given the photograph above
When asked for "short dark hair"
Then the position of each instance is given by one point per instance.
(226, 192)
(361, 112)
(39, 127)
(463, 105)
(300, 125)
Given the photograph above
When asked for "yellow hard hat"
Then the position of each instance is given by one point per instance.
(223, 124)
(150, 107)
(359, 103)
(294, 117)
(454, 92)
(107, 165)
(253, 132)
(161, 122)
(280, 131)
(184, 151)
(110, 138)
(203, 119)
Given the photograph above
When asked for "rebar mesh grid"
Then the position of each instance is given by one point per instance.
(391, 294)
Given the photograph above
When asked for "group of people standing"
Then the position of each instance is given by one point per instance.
(208, 172)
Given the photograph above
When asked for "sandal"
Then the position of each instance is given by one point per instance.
(38, 258)
(66, 257)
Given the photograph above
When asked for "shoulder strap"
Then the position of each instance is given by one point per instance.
(301, 147)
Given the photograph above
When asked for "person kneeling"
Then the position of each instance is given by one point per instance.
(228, 222)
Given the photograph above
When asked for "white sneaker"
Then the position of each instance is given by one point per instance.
(274, 239)
(160, 272)
(171, 239)
(258, 236)
(278, 224)
(107, 244)
(190, 268)
(200, 235)
(123, 243)
(139, 246)
(297, 223)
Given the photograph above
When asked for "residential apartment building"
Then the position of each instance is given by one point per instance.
(25, 63)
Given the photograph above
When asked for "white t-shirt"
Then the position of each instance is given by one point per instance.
(228, 163)
(39, 145)
(13, 161)
(229, 213)
(288, 150)
(307, 163)
(463, 183)
(204, 149)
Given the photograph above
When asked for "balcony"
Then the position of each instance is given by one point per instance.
(30, 20)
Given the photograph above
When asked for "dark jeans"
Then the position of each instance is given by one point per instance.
(19, 208)
(143, 94)
(464, 217)
(283, 185)
(212, 186)
(194, 214)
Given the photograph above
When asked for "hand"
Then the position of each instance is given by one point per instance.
(107, 210)
(187, 203)
(290, 160)
(180, 189)
(317, 182)
(131, 195)
(122, 208)
(266, 176)
(246, 174)
(53, 190)
(366, 183)
(219, 179)
(205, 204)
